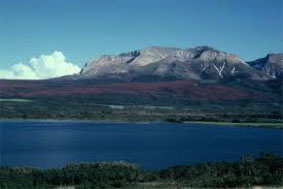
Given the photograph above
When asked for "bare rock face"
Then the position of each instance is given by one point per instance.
(164, 63)
(271, 65)
(107, 64)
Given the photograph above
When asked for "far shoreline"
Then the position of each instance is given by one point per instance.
(269, 125)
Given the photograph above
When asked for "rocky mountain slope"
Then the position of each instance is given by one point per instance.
(162, 63)
(271, 65)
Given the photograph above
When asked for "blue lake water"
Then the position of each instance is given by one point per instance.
(48, 144)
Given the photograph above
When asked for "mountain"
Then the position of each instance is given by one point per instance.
(271, 65)
(162, 63)
(156, 83)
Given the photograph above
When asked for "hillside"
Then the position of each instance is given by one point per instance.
(155, 84)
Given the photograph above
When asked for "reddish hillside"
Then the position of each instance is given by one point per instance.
(184, 89)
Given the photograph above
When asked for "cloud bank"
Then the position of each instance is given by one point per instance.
(43, 67)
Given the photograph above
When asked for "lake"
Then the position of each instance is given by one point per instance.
(48, 144)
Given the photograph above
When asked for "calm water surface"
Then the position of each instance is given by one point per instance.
(155, 145)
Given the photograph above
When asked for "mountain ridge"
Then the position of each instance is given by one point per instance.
(197, 63)
(271, 65)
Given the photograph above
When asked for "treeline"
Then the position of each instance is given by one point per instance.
(266, 170)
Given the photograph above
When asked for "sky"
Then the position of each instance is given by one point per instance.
(35, 33)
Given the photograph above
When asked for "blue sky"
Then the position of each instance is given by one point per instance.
(83, 29)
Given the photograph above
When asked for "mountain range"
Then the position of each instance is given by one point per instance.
(201, 79)
(200, 63)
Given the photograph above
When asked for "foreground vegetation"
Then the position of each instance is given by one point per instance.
(266, 170)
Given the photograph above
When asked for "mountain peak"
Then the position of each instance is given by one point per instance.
(271, 65)
(204, 48)
(275, 58)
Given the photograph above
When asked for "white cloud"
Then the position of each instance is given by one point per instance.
(43, 67)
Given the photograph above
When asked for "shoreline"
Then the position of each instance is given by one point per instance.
(220, 123)
(241, 124)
